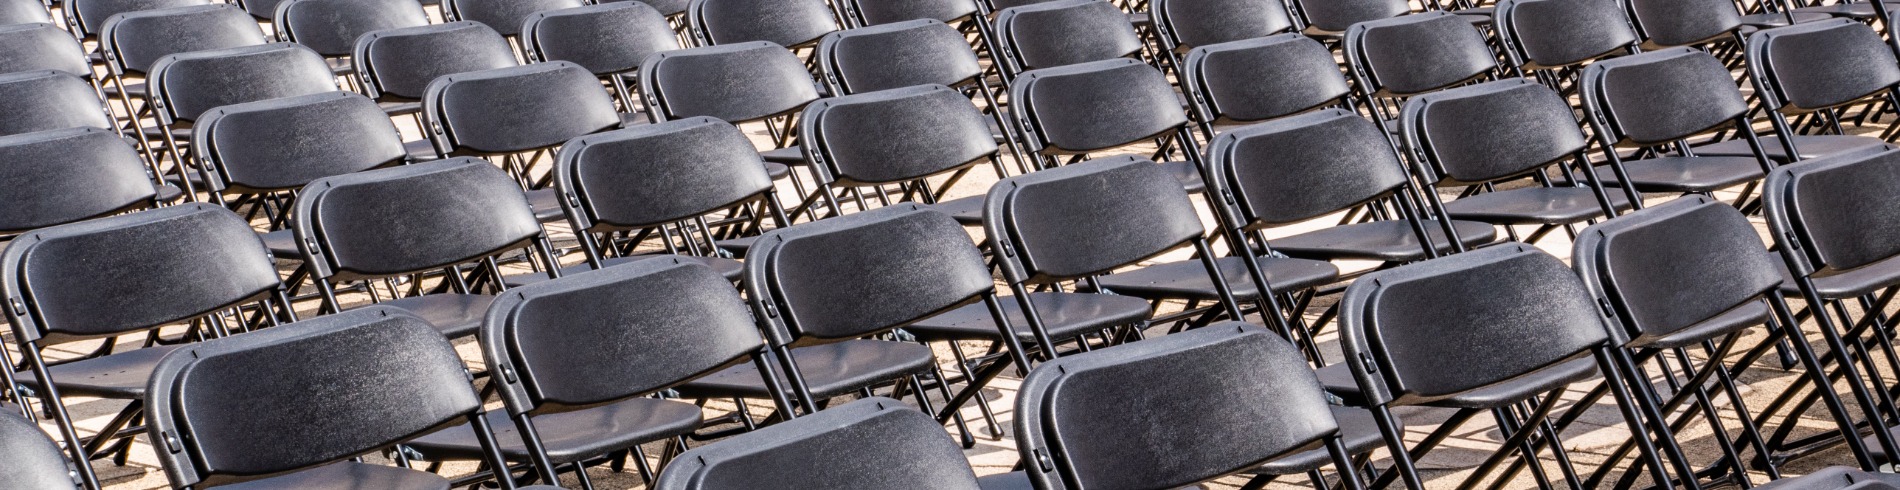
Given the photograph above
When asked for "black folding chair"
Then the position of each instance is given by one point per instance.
(908, 54)
(47, 100)
(446, 219)
(1694, 273)
(1411, 332)
(192, 264)
(395, 66)
(67, 175)
(85, 18)
(1481, 136)
(870, 443)
(330, 27)
(1672, 23)
(672, 9)
(1656, 102)
(965, 15)
(1542, 38)
(1329, 19)
(41, 46)
(1062, 33)
(1811, 72)
(1071, 112)
(1084, 421)
(1827, 219)
(132, 43)
(610, 40)
(1252, 80)
(582, 354)
(794, 24)
(517, 114)
(892, 142)
(505, 16)
(296, 406)
(738, 83)
(622, 188)
(32, 460)
(183, 87)
(23, 12)
(1182, 25)
(1394, 59)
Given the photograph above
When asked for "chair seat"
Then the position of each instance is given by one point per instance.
(1385, 241)
(1189, 175)
(732, 269)
(546, 204)
(1357, 429)
(1338, 380)
(120, 376)
(1534, 205)
(1782, 19)
(570, 436)
(169, 194)
(1064, 315)
(829, 370)
(1188, 278)
(777, 170)
(455, 315)
(790, 155)
(1686, 174)
(967, 210)
(350, 476)
(1014, 480)
(419, 150)
(1747, 315)
(1811, 146)
(1859, 281)
(282, 244)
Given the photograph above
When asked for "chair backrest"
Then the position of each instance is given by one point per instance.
(624, 331)
(1065, 32)
(410, 218)
(1304, 167)
(737, 82)
(398, 64)
(1086, 219)
(669, 8)
(132, 42)
(870, 443)
(1180, 393)
(1094, 106)
(895, 55)
(189, 84)
(1657, 97)
(1674, 265)
(789, 23)
(1820, 65)
(66, 175)
(606, 39)
(1187, 24)
(894, 135)
(505, 16)
(1554, 33)
(1489, 131)
(1416, 53)
(1264, 78)
(1682, 22)
(129, 273)
(331, 26)
(32, 460)
(282, 144)
(1337, 15)
(41, 46)
(45, 100)
(880, 12)
(87, 17)
(325, 390)
(507, 110)
(1418, 323)
(23, 12)
(1829, 214)
(862, 274)
(653, 174)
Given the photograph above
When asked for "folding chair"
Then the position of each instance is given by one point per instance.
(182, 87)
(1329, 19)
(1825, 216)
(1690, 273)
(672, 9)
(23, 12)
(1658, 100)
(395, 66)
(132, 43)
(447, 218)
(870, 443)
(46, 100)
(41, 46)
(894, 141)
(1397, 58)
(505, 16)
(1673, 23)
(1183, 25)
(195, 264)
(911, 53)
(1247, 81)
(587, 350)
(610, 40)
(1176, 392)
(793, 24)
(1811, 71)
(739, 83)
(506, 112)
(67, 175)
(32, 460)
(649, 182)
(85, 18)
(391, 377)
(1304, 168)
(1542, 37)
(1061, 33)
(330, 27)
(1412, 332)
(1484, 135)
(1077, 110)
(820, 291)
